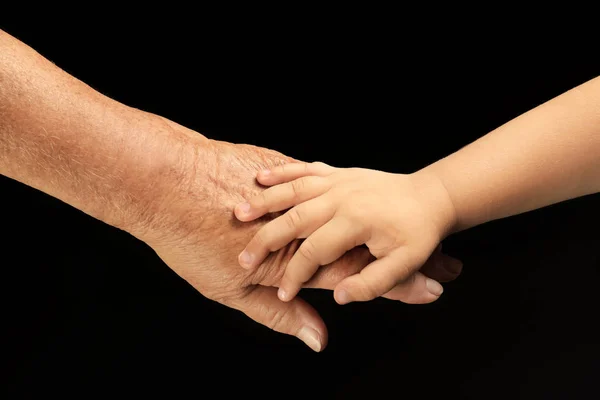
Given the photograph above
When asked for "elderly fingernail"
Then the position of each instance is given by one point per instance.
(453, 266)
(434, 287)
(310, 337)
(342, 297)
(246, 259)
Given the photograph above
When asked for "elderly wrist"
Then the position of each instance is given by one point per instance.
(169, 167)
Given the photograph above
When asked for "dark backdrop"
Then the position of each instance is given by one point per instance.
(89, 309)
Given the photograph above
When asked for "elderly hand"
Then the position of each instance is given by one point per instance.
(196, 234)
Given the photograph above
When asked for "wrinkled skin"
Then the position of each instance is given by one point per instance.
(195, 232)
(163, 183)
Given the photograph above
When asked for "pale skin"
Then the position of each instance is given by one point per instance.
(166, 185)
(547, 155)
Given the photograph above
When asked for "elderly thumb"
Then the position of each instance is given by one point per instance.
(296, 317)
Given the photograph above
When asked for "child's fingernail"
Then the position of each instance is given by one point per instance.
(244, 208)
(434, 287)
(282, 294)
(342, 297)
(265, 173)
(310, 337)
(245, 259)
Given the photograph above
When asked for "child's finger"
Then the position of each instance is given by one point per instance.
(291, 171)
(325, 245)
(282, 197)
(417, 289)
(297, 223)
(378, 278)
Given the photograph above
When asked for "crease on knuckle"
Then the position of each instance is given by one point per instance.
(308, 251)
(246, 298)
(260, 241)
(274, 316)
(307, 168)
(282, 169)
(298, 186)
(272, 269)
(293, 218)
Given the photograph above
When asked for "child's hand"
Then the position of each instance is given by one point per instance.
(401, 219)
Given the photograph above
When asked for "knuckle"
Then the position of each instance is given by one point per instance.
(298, 186)
(308, 251)
(293, 218)
(268, 274)
(274, 317)
(260, 239)
(264, 241)
(260, 200)
(254, 305)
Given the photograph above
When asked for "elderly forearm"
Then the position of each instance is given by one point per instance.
(64, 138)
(547, 155)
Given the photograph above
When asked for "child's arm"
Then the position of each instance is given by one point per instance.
(547, 155)
(401, 219)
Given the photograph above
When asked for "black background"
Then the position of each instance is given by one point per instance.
(89, 310)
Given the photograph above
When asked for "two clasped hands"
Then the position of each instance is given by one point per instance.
(542, 157)
(335, 210)
(175, 190)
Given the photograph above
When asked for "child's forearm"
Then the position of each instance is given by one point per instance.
(547, 155)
